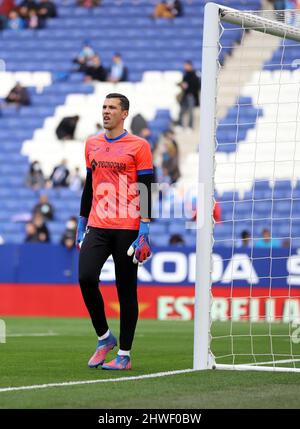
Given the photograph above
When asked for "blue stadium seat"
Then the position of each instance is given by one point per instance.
(262, 209)
(56, 228)
(12, 181)
(160, 240)
(295, 212)
(190, 240)
(295, 228)
(223, 232)
(282, 209)
(12, 237)
(295, 242)
(243, 209)
(177, 228)
(10, 227)
(158, 228)
(13, 169)
(37, 111)
(261, 185)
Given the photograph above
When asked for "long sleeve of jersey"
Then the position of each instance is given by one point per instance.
(144, 184)
(87, 195)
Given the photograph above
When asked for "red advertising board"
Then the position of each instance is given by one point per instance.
(155, 302)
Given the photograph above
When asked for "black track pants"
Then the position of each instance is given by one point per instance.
(98, 245)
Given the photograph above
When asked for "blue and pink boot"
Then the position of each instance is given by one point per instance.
(103, 347)
(120, 362)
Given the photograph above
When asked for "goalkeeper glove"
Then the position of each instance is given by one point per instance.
(140, 248)
(81, 230)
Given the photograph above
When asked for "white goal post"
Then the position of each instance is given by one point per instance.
(205, 356)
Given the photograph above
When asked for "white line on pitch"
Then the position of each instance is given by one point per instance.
(33, 334)
(108, 380)
(272, 361)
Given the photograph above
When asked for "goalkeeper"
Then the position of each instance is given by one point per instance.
(114, 220)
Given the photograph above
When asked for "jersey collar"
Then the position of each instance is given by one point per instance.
(117, 138)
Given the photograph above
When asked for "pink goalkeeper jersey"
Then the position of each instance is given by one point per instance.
(115, 165)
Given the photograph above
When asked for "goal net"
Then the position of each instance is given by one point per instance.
(247, 296)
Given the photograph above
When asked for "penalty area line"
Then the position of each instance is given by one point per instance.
(108, 380)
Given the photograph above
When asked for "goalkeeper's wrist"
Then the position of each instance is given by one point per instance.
(82, 222)
(144, 226)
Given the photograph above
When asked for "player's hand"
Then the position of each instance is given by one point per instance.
(140, 248)
(81, 230)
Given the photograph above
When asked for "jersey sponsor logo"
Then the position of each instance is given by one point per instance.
(114, 165)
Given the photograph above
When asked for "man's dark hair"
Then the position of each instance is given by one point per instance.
(245, 234)
(123, 100)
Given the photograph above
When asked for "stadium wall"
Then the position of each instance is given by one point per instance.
(41, 280)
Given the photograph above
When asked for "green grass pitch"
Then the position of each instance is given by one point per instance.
(159, 346)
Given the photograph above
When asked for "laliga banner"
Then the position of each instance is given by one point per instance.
(263, 284)
(241, 267)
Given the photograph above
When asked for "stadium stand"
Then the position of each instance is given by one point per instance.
(153, 51)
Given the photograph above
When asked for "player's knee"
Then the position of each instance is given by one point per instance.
(86, 279)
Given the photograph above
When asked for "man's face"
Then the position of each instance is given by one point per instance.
(188, 67)
(112, 113)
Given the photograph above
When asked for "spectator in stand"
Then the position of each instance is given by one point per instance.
(60, 175)
(33, 21)
(66, 128)
(279, 5)
(176, 8)
(31, 233)
(35, 177)
(15, 22)
(24, 8)
(139, 126)
(41, 228)
(176, 240)
(85, 56)
(286, 243)
(98, 128)
(267, 241)
(75, 181)
(138, 123)
(162, 10)
(69, 236)
(89, 3)
(44, 208)
(95, 70)
(245, 240)
(18, 95)
(118, 71)
(148, 135)
(170, 135)
(47, 9)
(170, 159)
(189, 96)
(170, 155)
(6, 6)
(162, 175)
